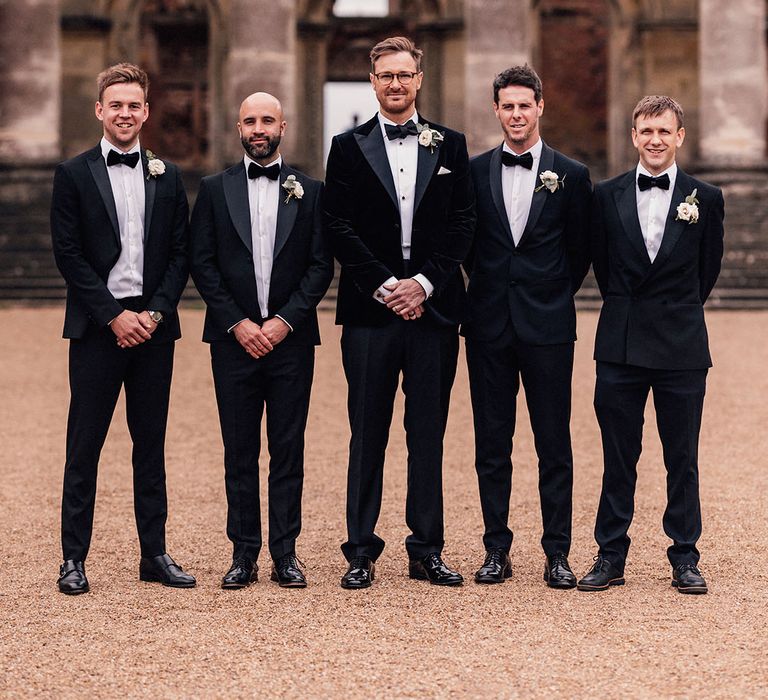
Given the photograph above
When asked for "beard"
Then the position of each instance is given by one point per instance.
(262, 151)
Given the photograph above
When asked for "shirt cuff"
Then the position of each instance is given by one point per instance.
(284, 321)
(232, 327)
(380, 293)
(424, 282)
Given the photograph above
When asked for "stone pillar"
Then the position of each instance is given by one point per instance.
(30, 70)
(307, 126)
(262, 59)
(734, 83)
(498, 35)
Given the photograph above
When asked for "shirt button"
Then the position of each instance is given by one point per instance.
(403, 197)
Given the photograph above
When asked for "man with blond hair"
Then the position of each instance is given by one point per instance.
(119, 227)
(400, 211)
(657, 243)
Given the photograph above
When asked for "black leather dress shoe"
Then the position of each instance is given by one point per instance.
(496, 567)
(242, 573)
(72, 580)
(162, 569)
(287, 573)
(688, 579)
(359, 573)
(602, 575)
(433, 569)
(557, 572)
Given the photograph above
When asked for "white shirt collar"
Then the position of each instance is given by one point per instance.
(534, 150)
(106, 147)
(671, 171)
(383, 120)
(247, 160)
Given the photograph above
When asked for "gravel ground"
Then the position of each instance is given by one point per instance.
(400, 638)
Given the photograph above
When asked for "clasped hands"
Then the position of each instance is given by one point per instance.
(406, 299)
(132, 328)
(257, 340)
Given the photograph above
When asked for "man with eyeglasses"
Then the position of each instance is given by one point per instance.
(399, 208)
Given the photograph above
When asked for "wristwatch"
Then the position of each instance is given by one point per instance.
(156, 316)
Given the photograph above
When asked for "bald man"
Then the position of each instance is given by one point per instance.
(261, 263)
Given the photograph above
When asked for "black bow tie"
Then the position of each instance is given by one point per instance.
(272, 172)
(645, 183)
(400, 131)
(116, 158)
(510, 159)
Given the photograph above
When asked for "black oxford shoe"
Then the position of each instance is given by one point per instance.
(242, 573)
(162, 569)
(496, 567)
(433, 569)
(557, 572)
(72, 580)
(688, 579)
(359, 573)
(287, 573)
(602, 575)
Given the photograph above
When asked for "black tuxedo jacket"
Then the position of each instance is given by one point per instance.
(221, 256)
(653, 313)
(86, 243)
(531, 284)
(363, 221)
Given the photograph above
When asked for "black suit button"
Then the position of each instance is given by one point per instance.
(513, 283)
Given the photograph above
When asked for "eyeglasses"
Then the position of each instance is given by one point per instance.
(403, 78)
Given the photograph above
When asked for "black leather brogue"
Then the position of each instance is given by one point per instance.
(602, 575)
(433, 569)
(287, 573)
(242, 573)
(688, 579)
(558, 573)
(360, 573)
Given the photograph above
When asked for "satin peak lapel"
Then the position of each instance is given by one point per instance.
(372, 146)
(426, 165)
(539, 199)
(673, 229)
(236, 194)
(497, 191)
(626, 204)
(150, 186)
(286, 213)
(98, 169)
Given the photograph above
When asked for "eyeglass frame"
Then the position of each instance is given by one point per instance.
(412, 75)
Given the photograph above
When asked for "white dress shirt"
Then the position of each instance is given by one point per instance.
(263, 199)
(126, 278)
(403, 157)
(653, 207)
(518, 184)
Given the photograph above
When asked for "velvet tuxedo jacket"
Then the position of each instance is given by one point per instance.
(653, 313)
(363, 221)
(532, 284)
(221, 256)
(86, 243)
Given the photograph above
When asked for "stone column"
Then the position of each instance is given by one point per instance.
(498, 35)
(262, 59)
(734, 83)
(307, 126)
(30, 72)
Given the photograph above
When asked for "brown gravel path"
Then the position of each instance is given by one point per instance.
(401, 638)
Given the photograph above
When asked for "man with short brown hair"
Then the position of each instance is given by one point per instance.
(657, 243)
(400, 211)
(119, 227)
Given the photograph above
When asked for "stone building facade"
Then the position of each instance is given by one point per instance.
(596, 58)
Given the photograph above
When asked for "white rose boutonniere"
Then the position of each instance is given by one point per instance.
(688, 210)
(429, 137)
(550, 180)
(155, 166)
(293, 187)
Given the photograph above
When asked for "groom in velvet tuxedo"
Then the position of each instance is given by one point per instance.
(657, 240)
(119, 227)
(529, 257)
(399, 208)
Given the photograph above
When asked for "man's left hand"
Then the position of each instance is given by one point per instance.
(275, 329)
(146, 320)
(406, 296)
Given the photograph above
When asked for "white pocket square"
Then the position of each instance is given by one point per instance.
(443, 171)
